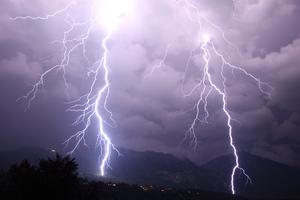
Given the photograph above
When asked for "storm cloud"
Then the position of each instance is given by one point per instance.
(151, 111)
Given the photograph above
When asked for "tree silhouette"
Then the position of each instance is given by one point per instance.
(52, 179)
(59, 176)
(20, 179)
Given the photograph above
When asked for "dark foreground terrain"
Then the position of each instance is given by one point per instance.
(57, 178)
(148, 175)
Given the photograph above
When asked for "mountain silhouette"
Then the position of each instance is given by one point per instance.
(270, 179)
(163, 170)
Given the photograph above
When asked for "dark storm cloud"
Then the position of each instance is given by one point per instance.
(151, 112)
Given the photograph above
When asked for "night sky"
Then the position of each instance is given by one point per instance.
(151, 113)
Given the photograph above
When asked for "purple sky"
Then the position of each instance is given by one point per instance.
(151, 113)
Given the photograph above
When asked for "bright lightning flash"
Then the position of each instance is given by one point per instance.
(207, 84)
(206, 38)
(111, 12)
(108, 14)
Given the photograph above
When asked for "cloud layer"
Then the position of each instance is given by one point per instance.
(150, 111)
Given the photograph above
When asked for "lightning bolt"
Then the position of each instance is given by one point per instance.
(207, 84)
(93, 105)
(90, 109)
(48, 16)
(161, 62)
(222, 93)
(89, 105)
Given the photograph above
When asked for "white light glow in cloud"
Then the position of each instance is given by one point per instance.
(112, 12)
